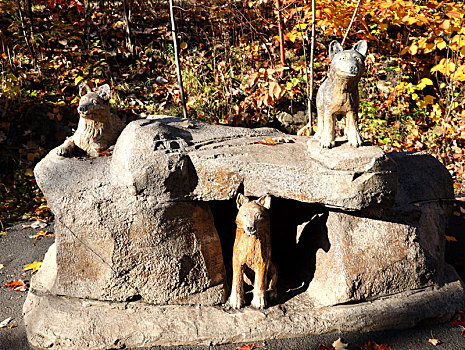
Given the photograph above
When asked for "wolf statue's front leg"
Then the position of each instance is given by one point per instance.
(328, 136)
(236, 300)
(353, 134)
(259, 290)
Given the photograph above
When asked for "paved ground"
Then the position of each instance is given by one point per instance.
(17, 250)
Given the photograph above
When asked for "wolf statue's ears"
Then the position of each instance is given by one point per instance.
(265, 201)
(104, 92)
(84, 89)
(361, 47)
(241, 200)
(334, 48)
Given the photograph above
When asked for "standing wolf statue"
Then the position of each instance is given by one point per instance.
(252, 250)
(338, 95)
(98, 128)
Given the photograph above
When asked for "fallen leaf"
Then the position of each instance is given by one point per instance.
(17, 286)
(456, 213)
(249, 347)
(451, 239)
(459, 324)
(267, 141)
(434, 341)
(102, 151)
(339, 345)
(35, 224)
(2, 266)
(41, 234)
(33, 266)
(272, 141)
(5, 322)
(281, 139)
(325, 347)
(371, 345)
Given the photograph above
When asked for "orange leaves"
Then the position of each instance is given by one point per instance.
(275, 140)
(41, 234)
(371, 345)
(17, 286)
(325, 347)
(249, 347)
(103, 151)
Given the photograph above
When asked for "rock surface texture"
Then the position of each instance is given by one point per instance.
(137, 242)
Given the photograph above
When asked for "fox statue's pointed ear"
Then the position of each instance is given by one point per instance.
(104, 92)
(334, 48)
(241, 200)
(361, 47)
(265, 201)
(84, 89)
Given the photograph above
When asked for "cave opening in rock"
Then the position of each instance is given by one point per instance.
(298, 230)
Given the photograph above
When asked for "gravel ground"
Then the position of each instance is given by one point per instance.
(17, 250)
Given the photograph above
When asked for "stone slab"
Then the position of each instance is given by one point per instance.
(221, 159)
(68, 323)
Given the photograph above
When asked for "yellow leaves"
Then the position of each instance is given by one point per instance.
(32, 156)
(413, 49)
(440, 43)
(427, 100)
(426, 81)
(445, 66)
(77, 80)
(409, 20)
(183, 45)
(460, 73)
(33, 266)
(445, 25)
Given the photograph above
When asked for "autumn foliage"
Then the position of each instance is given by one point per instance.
(412, 96)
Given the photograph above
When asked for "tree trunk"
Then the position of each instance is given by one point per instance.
(31, 16)
(280, 32)
(127, 14)
(23, 25)
(176, 57)
(312, 54)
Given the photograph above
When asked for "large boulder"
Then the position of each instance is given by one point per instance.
(390, 250)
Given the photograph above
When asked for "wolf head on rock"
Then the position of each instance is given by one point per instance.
(98, 128)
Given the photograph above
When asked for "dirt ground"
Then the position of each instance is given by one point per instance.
(17, 250)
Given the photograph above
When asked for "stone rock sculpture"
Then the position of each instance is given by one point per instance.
(149, 247)
(338, 95)
(98, 128)
(252, 249)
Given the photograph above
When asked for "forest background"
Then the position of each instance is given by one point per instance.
(233, 68)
